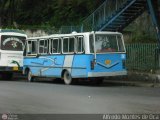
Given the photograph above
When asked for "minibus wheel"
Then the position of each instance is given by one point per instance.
(67, 78)
(30, 78)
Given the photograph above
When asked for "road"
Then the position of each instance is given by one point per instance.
(19, 96)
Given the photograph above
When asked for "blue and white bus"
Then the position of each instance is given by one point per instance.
(12, 44)
(76, 55)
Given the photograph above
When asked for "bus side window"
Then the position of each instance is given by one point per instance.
(65, 44)
(91, 43)
(55, 45)
(68, 45)
(41, 46)
(29, 47)
(44, 46)
(32, 47)
(71, 44)
(59, 46)
(80, 47)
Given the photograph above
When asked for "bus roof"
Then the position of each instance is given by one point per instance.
(11, 30)
(75, 33)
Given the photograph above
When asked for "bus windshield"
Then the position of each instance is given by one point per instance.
(107, 43)
(14, 43)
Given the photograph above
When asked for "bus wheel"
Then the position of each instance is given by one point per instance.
(67, 78)
(30, 78)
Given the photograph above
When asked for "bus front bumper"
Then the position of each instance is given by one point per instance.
(106, 74)
(11, 69)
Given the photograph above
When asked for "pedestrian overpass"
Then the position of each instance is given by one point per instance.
(115, 15)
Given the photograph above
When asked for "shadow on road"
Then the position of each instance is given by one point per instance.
(78, 83)
(106, 83)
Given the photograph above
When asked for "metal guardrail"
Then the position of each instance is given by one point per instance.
(97, 18)
(101, 14)
(143, 57)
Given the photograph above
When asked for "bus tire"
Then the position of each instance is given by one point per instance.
(67, 78)
(30, 78)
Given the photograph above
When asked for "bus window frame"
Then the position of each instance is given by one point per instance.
(44, 47)
(82, 44)
(68, 44)
(122, 37)
(0, 41)
(91, 52)
(28, 53)
(59, 45)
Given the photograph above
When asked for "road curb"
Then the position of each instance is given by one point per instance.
(132, 83)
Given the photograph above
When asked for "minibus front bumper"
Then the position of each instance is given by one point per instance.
(11, 69)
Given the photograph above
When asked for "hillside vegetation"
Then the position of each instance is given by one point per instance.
(48, 14)
(45, 12)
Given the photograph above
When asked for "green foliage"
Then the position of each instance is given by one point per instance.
(142, 30)
(144, 38)
(49, 12)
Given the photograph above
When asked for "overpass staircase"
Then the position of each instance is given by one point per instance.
(123, 16)
(115, 15)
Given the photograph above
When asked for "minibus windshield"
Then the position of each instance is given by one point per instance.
(107, 43)
(14, 43)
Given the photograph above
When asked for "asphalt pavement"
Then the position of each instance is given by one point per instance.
(46, 97)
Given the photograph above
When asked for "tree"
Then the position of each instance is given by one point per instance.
(50, 12)
(8, 12)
